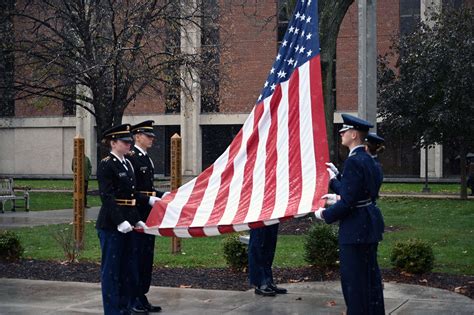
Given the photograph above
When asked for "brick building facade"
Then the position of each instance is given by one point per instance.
(250, 36)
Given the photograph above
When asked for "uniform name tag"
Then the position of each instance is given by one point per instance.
(122, 174)
(143, 168)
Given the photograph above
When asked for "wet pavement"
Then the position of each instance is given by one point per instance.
(52, 297)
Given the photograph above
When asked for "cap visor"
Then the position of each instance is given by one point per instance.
(149, 134)
(126, 139)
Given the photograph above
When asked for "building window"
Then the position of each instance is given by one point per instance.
(215, 140)
(161, 149)
(7, 60)
(210, 55)
(409, 16)
(285, 11)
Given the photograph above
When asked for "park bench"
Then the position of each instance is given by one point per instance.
(7, 192)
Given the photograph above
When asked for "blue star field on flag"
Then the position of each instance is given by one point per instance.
(300, 43)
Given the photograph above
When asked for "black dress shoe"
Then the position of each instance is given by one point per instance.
(138, 310)
(152, 308)
(265, 291)
(276, 289)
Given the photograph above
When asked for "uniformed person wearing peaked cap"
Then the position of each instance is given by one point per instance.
(360, 221)
(143, 244)
(374, 146)
(117, 217)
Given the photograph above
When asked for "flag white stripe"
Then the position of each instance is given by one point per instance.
(282, 169)
(235, 187)
(173, 210)
(207, 204)
(258, 188)
(308, 168)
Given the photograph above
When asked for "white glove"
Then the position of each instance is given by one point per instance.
(332, 175)
(164, 194)
(333, 168)
(319, 213)
(124, 227)
(330, 199)
(152, 200)
(141, 224)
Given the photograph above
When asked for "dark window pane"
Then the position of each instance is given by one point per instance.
(160, 151)
(7, 60)
(215, 140)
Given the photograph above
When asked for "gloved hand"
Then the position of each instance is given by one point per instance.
(333, 168)
(152, 200)
(124, 227)
(330, 199)
(319, 213)
(141, 224)
(332, 175)
(164, 194)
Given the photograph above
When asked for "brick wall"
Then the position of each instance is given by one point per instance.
(347, 45)
(250, 38)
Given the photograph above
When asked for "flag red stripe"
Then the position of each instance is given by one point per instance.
(294, 153)
(189, 209)
(226, 178)
(319, 130)
(271, 158)
(247, 184)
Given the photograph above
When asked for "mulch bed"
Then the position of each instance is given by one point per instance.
(219, 278)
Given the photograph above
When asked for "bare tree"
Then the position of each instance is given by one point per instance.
(116, 49)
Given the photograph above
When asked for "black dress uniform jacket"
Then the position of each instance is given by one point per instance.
(144, 174)
(117, 181)
(360, 220)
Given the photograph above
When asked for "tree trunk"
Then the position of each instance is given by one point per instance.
(463, 172)
(331, 14)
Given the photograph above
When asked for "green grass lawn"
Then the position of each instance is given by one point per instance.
(399, 188)
(448, 225)
(55, 200)
(407, 188)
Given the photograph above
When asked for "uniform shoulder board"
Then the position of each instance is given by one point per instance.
(106, 159)
(131, 153)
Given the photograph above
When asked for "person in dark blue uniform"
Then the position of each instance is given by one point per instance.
(143, 244)
(360, 221)
(118, 214)
(374, 145)
(261, 252)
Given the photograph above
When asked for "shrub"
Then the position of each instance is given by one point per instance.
(235, 253)
(412, 256)
(10, 246)
(321, 247)
(65, 239)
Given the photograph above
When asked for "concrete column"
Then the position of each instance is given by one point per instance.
(435, 153)
(85, 123)
(367, 71)
(191, 94)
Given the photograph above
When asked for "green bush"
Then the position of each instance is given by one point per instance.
(235, 253)
(10, 246)
(412, 256)
(321, 247)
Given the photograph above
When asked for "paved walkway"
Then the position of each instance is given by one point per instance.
(51, 297)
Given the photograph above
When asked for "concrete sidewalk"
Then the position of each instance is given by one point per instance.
(18, 219)
(51, 297)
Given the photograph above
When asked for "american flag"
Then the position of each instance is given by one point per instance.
(274, 168)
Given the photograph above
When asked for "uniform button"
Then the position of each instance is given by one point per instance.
(133, 186)
(132, 195)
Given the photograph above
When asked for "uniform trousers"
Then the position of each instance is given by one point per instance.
(142, 263)
(360, 279)
(115, 276)
(261, 252)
